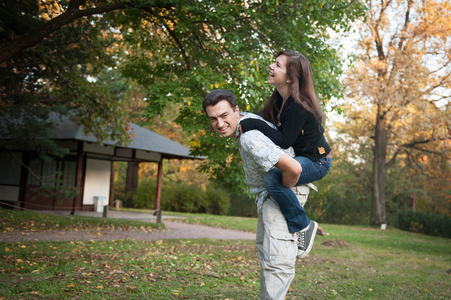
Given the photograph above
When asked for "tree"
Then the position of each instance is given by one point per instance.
(399, 87)
(176, 50)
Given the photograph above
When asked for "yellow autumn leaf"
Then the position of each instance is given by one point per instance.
(71, 285)
(202, 284)
(19, 261)
(99, 287)
(248, 107)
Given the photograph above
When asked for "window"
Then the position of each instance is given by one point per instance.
(53, 173)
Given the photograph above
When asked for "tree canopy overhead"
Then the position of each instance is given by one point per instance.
(52, 51)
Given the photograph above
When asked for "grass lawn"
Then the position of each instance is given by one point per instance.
(353, 262)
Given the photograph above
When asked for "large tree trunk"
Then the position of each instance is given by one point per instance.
(379, 171)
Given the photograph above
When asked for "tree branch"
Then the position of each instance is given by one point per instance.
(73, 13)
(403, 146)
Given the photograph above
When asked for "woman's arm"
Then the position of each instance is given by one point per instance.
(260, 125)
(293, 118)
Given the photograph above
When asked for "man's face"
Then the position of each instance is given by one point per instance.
(223, 118)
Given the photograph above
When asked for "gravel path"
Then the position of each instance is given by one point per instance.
(174, 230)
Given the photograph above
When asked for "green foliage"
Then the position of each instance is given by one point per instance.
(144, 197)
(217, 201)
(181, 197)
(27, 128)
(242, 205)
(217, 44)
(175, 50)
(343, 195)
(53, 77)
(190, 198)
(425, 222)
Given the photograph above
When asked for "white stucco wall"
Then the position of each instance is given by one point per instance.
(97, 180)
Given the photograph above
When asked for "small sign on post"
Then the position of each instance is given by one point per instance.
(383, 226)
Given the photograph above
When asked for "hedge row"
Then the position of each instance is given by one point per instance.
(182, 197)
(425, 222)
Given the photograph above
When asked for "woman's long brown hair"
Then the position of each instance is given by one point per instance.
(302, 89)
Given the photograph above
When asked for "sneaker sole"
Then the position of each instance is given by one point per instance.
(311, 242)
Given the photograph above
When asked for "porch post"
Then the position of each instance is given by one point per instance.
(78, 177)
(159, 180)
(24, 178)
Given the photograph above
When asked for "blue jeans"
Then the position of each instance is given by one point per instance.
(289, 205)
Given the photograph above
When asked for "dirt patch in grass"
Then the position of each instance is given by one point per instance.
(335, 243)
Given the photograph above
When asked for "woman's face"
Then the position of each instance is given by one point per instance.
(278, 72)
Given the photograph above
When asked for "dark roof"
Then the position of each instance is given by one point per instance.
(144, 139)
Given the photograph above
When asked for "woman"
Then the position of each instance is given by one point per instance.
(295, 110)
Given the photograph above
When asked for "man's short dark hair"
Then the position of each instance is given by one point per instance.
(218, 95)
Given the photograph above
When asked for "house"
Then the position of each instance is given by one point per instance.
(32, 183)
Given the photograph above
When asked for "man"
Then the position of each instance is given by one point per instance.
(277, 248)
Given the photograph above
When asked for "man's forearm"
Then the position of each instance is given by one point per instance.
(291, 170)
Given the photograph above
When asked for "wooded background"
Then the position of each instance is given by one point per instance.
(107, 63)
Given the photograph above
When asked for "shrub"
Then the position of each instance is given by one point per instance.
(425, 222)
(178, 197)
(217, 201)
(190, 198)
(242, 205)
(144, 197)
